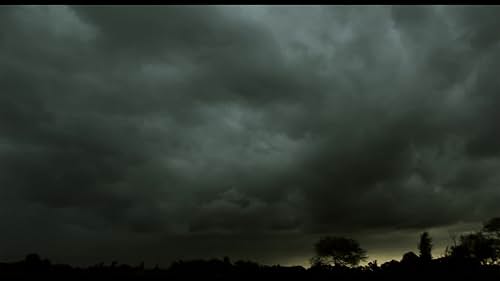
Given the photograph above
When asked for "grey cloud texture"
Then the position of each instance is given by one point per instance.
(233, 127)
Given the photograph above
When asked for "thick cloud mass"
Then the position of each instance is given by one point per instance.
(157, 133)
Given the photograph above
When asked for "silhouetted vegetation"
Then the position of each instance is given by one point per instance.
(338, 251)
(425, 247)
(492, 227)
(475, 256)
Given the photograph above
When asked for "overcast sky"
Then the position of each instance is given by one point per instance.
(159, 133)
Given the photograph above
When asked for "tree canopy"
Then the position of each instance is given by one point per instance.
(492, 226)
(338, 251)
(425, 246)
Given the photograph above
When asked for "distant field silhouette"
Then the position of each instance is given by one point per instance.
(476, 256)
(35, 268)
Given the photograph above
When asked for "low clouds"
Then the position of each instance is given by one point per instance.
(234, 122)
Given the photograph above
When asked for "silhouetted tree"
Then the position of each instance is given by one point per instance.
(390, 265)
(33, 261)
(492, 226)
(410, 259)
(372, 266)
(491, 229)
(475, 247)
(338, 251)
(141, 266)
(425, 247)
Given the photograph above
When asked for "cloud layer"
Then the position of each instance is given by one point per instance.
(211, 130)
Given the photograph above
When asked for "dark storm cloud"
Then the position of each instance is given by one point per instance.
(224, 125)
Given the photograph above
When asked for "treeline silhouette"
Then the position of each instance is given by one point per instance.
(474, 256)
